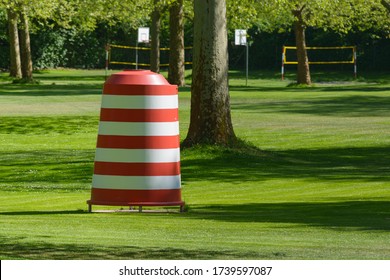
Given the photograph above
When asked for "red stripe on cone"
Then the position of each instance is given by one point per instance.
(138, 142)
(137, 169)
(139, 115)
(125, 89)
(135, 197)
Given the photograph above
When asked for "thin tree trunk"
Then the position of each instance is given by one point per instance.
(176, 44)
(155, 42)
(25, 47)
(15, 64)
(303, 76)
(210, 121)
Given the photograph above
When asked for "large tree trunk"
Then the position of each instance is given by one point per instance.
(155, 42)
(210, 121)
(303, 76)
(25, 47)
(15, 64)
(176, 44)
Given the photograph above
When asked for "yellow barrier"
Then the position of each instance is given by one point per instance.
(110, 46)
(352, 61)
(140, 48)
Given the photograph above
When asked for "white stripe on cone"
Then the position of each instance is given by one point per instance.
(139, 128)
(136, 182)
(139, 102)
(137, 155)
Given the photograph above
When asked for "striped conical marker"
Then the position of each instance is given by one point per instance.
(137, 161)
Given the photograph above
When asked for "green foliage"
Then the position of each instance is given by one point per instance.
(340, 16)
(59, 47)
(50, 49)
(73, 33)
(240, 14)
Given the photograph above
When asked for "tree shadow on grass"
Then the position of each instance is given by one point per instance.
(43, 125)
(368, 164)
(44, 212)
(46, 170)
(343, 215)
(349, 106)
(14, 248)
(338, 216)
(51, 90)
(53, 169)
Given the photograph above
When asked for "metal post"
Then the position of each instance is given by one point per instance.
(106, 63)
(136, 55)
(282, 66)
(354, 60)
(108, 49)
(247, 59)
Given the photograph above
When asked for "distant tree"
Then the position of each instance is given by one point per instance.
(176, 68)
(303, 76)
(82, 15)
(15, 63)
(19, 12)
(340, 16)
(25, 46)
(155, 36)
(210, 121)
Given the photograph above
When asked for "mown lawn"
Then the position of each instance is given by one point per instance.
(312, 182)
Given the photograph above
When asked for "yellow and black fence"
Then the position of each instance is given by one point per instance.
(126, 57)
(343, 55)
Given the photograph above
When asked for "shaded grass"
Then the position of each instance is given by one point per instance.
(234, 231)
(373, 215)
(66, 125)
(50, 90)
(14, 249)
(63, 170)
(353, 164)
(349, 106)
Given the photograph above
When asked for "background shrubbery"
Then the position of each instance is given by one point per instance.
(54, 47)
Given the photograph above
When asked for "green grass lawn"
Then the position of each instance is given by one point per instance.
(312, 183)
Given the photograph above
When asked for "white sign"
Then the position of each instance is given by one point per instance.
(143, 35)
(240, 37)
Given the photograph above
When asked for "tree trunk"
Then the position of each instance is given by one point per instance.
(303, 76)
(15, 64)
(176, 44)
(25, 47)
(210, 121)
(155, 42)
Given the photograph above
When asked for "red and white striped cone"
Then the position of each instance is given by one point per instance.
(137, 161)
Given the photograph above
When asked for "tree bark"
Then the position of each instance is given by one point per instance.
(303, 76)
(210, 121)
(176, 68)
(15, 63)
(25, 47)
(155, 42)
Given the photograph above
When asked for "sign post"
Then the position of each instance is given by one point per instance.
(240, 40)
(143, 37)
